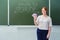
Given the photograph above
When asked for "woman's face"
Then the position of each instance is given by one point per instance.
(43, 11)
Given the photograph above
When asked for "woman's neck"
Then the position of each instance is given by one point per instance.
(45, 15)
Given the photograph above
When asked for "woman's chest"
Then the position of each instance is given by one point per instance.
(43, 20)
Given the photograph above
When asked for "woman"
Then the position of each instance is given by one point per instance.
(44, 24)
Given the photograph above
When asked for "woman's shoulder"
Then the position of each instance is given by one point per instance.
(49, 17)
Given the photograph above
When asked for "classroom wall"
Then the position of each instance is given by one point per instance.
(25, 33)
(55, 11)
(3, 12)
(21, 10)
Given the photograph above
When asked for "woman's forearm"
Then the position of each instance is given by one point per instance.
(49, 31)
(35, 22)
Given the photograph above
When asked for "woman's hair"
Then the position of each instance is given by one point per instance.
(45, 8)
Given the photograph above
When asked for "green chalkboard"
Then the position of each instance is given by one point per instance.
(3, 12)
(55, 12)
(21, 10)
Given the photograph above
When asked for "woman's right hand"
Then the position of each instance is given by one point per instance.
(34, 16)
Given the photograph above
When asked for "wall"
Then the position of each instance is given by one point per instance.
(25, 33)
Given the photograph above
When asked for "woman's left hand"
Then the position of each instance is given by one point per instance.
(48, 36)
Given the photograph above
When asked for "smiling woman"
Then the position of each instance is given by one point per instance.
(44, 24)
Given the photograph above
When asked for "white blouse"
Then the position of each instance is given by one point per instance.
(44, 22)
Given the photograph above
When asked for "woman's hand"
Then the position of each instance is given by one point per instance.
(49, 31)
(34, 16)
(48, 35)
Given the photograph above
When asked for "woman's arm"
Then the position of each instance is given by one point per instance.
(49, 31)
(35, 21)
(49, 28)
(34, 18)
